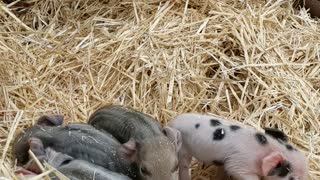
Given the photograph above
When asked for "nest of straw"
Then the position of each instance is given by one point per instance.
(255, 61)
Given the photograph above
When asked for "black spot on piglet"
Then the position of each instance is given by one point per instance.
(289, 147)
(214, 122)
(197, 126)
(261, 139)
(234, 127)
(276, 133)
(219, 134)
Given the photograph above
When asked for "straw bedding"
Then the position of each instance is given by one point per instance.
(254, 61)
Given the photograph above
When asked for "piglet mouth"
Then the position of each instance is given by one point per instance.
(24, 172)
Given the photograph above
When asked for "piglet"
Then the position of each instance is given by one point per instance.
(80, 141)
(156, 147)
(73, 169)
(243, 152)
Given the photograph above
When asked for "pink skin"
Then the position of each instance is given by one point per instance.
(242, 155)
(25, 172)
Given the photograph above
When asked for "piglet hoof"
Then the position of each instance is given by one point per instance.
(50, 120)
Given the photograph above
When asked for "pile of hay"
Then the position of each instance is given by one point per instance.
(254, 61)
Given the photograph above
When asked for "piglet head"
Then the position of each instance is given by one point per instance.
(278, 167)
(156, 158)
(55, 159)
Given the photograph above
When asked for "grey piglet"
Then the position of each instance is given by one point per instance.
(74, 169)
(156, 147)
(80, 141)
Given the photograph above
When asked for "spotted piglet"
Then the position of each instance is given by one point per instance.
(243, 152)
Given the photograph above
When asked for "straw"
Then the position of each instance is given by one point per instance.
(253, 61)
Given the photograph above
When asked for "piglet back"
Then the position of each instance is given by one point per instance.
(81, 141)
(124, 123)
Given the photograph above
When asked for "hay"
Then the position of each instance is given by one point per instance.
(254, 61)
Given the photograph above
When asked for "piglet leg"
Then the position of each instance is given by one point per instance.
(221, 174)
(184, 163)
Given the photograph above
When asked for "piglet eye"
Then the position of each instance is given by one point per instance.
(144, 171)
(66, 162)
(291, 178)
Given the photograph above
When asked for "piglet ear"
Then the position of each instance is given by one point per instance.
(174, 136)
(128, 151)
(270, 162)
(57, 159)
(50, 120)
(36, 146)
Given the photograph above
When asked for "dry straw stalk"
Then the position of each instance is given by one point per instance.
(254, 61)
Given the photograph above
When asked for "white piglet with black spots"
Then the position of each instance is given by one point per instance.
(243, 152)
